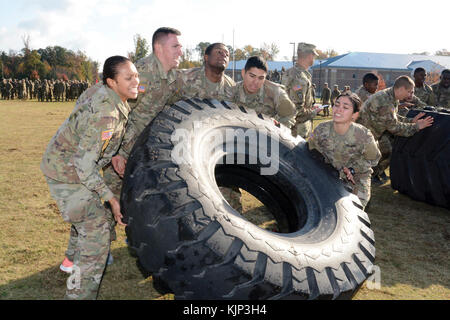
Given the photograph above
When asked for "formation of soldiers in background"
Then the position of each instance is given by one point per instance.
(43, 90)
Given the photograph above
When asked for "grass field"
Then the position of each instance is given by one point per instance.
(412, 238)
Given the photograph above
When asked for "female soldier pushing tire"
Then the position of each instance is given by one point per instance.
(195, 244)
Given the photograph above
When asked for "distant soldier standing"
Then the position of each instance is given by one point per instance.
(326, 96)
(380, 114)
(9, 90)
(334, 94)
(298, 83)
(72, 162)
(442, 90)
(2, 88)
(347, 146)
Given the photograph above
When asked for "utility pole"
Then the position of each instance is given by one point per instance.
(293, 54)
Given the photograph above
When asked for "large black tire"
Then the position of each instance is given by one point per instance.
(420, 165)
(195, 244)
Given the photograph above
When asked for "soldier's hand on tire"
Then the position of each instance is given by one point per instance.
(348, 174)
(418, 116)
(115, 208)
(423, 123)
(119, 163)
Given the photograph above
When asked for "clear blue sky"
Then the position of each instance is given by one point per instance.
(102, 28)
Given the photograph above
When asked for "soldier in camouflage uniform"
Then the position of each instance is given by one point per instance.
(157, 89)
(3, 89)
(299, 88)
(336, 92)
(262, 95)
(442, 90)
(347, 146)
(9, 90)
(369, 86)
(380, 114)
(422, 90)
(210, 80)
(326, 96)
(81, 147)
(265, 97)
(48, 89)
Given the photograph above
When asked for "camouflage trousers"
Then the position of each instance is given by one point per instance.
(90, 236)
(385, 146)
(361, 188)
(233, 197)
(302, 129)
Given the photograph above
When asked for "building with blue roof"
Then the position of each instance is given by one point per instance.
(348, 69)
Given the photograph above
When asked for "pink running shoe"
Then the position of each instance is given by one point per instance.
(66, 266)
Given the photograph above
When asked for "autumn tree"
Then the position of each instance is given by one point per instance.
(141, 48)
(269, 51)
(326, 54)
(239, 54)
(201, 48)
(187, 60)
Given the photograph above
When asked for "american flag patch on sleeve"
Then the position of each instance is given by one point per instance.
(106, 135)
(141, 88)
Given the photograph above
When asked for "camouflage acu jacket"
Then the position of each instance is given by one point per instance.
(355, 149)
(271, 100)
(194, 84)
(380, 113)
(442, 95)
(156, 89)
(299, 88)
(87, 140)
(425, 94)
(362, 93)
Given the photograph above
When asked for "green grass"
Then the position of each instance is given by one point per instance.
(412, 238)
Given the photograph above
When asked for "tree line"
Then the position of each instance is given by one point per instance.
(52, 62)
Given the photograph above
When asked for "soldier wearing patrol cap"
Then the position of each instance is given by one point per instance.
(298, 83)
